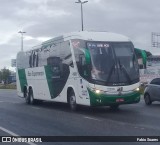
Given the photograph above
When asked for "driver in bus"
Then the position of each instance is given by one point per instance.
(101, 62)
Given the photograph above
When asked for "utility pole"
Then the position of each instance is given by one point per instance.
(80, 2)
(21, 32)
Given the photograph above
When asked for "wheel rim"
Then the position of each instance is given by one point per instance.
(73, 102)
(26, 97)
(31, 98)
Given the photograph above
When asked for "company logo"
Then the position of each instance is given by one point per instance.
(120, 89)
(6, 139)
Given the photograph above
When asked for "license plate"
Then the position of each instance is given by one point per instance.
(120, 100)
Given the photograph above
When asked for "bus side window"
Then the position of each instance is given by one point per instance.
(56, 66)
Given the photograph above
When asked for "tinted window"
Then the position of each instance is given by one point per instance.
(113, 63)
(158, 81)
(65, 53)
(44, 55)
(79, 49)
(155, 81)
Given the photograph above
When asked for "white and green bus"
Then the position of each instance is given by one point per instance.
(81, 68)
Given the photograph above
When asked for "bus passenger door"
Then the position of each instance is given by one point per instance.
(83, 72)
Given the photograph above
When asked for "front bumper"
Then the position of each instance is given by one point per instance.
(107, 100)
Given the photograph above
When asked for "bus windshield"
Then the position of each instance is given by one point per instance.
(113, 63)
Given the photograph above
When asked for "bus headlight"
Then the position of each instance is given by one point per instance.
(137, 89)
(97, 91)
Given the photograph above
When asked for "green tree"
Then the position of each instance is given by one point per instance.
(5, 73)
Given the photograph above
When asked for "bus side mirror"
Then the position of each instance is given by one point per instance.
(87, 57)
(82, 59)
(83, 65)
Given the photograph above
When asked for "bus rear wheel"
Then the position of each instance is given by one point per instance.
(31, 98)
(26, 96)
(72, 101)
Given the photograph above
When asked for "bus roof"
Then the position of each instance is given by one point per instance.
(88, 35)
(98, 36)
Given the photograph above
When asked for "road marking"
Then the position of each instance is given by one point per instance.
(14, 134)
(10, 102)
(35, 108)
(15, 102)
(91, 118)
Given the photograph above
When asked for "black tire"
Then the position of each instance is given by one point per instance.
(114, 107)
(31, 98)
(72, 101)
(147, 99)
(26, 96)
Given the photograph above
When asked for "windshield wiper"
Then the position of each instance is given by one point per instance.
(110, 72)
(125, 71)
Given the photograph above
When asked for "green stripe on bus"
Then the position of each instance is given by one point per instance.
(48, 72)
(87, 56)
(22, 78)
(107, 100)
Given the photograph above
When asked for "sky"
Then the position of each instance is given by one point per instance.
(45, 19)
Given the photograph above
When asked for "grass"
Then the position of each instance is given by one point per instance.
(8, 86)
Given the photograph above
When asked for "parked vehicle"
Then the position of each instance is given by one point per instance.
(152, 91)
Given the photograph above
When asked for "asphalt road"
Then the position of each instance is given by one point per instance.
(56, 119)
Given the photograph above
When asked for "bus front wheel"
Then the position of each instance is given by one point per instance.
(72, 101)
